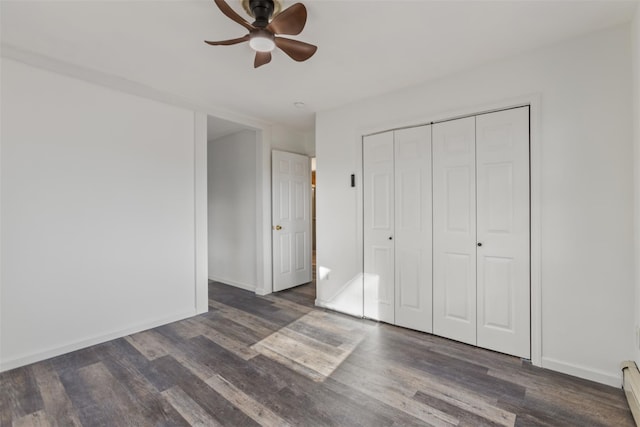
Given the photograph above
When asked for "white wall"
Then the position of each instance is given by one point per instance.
(232, 209)
(293, 141)
(635, 44)
(586, 189)
(97, 214)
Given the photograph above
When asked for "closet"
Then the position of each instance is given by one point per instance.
(446, 229)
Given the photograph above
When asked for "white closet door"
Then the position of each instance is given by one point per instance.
(454, 230)
(378, 227)
(502, 152)
(413, 290)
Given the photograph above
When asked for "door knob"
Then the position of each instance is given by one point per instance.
(479, 244)
(277, 227)
(390, 237)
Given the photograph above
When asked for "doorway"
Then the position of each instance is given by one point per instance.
(231, 203)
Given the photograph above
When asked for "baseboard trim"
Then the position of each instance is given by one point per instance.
(262, 292)
(611, 379)
(631, 385)
(325, 304)
(245, 286)
(39, 356)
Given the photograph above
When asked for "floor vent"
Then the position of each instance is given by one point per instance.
(631, 385)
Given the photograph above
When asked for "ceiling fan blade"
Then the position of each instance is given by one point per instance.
(290, 21)
(297, 50)
(261, 59)
(228, 42)
(231, 14)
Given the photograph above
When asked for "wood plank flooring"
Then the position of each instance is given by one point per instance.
(279, 361)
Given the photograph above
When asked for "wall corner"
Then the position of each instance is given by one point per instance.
(200, 212)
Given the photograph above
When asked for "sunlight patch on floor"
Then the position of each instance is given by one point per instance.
(310, 356)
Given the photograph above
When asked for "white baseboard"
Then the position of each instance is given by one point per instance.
(330, 306)
(38, 356)
(245, 286)
(262, 291)
(613, 379)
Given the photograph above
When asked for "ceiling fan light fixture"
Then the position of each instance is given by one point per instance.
(262, 42)
(265, 34)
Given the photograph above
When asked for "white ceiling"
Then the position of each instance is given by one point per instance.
(365, 47)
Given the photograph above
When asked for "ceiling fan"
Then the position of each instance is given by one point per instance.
(263, 33)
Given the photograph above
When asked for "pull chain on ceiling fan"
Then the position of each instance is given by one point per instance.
(263, 33)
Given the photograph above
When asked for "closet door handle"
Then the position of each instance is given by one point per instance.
(390, 237)
(479, 244)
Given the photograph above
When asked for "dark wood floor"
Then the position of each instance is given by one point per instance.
(278, 361)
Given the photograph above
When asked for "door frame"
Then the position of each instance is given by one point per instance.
(533, 100)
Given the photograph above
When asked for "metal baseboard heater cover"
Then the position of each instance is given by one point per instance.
(631, 386)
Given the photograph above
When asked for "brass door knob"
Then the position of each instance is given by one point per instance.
(277, 227)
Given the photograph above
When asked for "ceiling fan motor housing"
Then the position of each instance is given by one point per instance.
(262, 11)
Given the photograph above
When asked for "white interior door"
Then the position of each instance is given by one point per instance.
(291, 216)
(413, 258)
(502, 153)
(378, 207)
(454, 230)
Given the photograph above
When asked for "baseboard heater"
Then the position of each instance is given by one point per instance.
(631, 386)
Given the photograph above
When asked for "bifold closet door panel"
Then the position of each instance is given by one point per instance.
(502, 162)
(379, 220)
(454, 230)
(413, 240)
